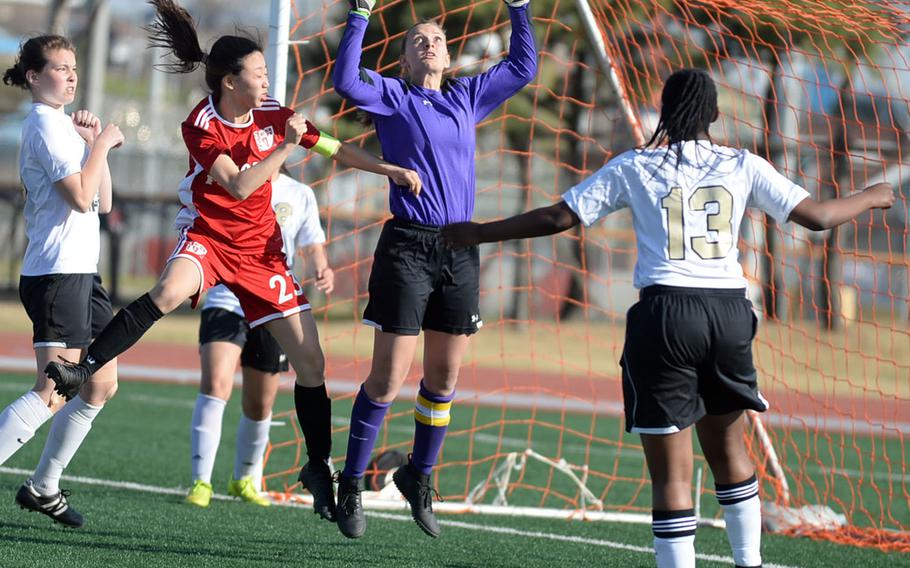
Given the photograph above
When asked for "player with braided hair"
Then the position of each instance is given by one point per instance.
(687, 358)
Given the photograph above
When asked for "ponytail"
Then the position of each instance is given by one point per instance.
(33, 57)
(174, 30)
(15, 77)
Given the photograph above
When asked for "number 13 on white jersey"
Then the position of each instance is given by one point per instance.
(716, 239)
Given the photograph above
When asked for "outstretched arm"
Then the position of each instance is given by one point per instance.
(509, 76)
(537, 223)
(354, 156)
(367, 89)
(315, 256)
(820, 215)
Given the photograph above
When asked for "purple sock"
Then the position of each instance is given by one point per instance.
(366, 419)
(431, 421)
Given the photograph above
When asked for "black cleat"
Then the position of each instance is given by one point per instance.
(68, 377)
(316, 477)
(54, 506)
(351, 521)
(415, 487)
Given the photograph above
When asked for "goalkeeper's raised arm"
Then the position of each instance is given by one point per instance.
(495, 86)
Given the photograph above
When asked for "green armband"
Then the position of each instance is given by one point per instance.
(326, 145)
(365, 14)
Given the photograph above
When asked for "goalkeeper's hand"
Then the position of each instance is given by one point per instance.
(515, 3)
(364, 5)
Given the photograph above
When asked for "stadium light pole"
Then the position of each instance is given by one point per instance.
(277, 50)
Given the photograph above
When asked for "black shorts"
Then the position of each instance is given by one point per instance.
(688, 353)
(417, 283)
(260, 351)
(67, 310)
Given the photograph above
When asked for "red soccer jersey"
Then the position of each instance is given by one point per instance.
(247, 226)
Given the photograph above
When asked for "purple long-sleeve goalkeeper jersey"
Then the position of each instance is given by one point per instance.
(433, 132)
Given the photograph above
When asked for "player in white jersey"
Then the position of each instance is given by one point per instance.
(225, 338)
(64, 170)
(688, 351)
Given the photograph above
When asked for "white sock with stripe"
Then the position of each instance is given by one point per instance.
(68, 430)
(205, 435)
(674, 538)
(742, 513)
(19, 421)
(252, 439)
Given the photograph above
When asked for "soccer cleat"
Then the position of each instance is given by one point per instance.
(68, 377)
(200, 495)
(316, 477)
(54, 506)
(247, 492)
(351, 521)
(415, 487)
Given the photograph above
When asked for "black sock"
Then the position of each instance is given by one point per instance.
(122, 332)
(314, 412)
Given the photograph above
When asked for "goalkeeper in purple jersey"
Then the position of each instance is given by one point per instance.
(426, 122)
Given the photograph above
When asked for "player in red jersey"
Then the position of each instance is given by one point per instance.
(237, 138)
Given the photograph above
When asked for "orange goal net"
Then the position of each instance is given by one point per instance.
(820, 88)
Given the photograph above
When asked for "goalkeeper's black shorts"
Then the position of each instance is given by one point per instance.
(417, 283)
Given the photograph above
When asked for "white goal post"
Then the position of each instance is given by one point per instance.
(276, 55)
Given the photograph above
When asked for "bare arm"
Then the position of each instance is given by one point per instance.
(325, 277)
(820, 215)
(242, 184)
(105, 192)
(536, 223)
(354, 156)
(79, 190)
(88, 126)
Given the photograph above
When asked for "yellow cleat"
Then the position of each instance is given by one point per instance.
(200, 495)
(246, 491)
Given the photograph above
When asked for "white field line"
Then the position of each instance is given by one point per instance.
(573, 539)
(541, 401)
(139, 487)
(166, 401)
(519, 443)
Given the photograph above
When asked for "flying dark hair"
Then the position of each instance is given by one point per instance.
(33, 57)
(688, 107)
(175, 31)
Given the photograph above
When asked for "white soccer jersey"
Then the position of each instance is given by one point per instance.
(686, 218)
(297, 212)
(61, 240)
